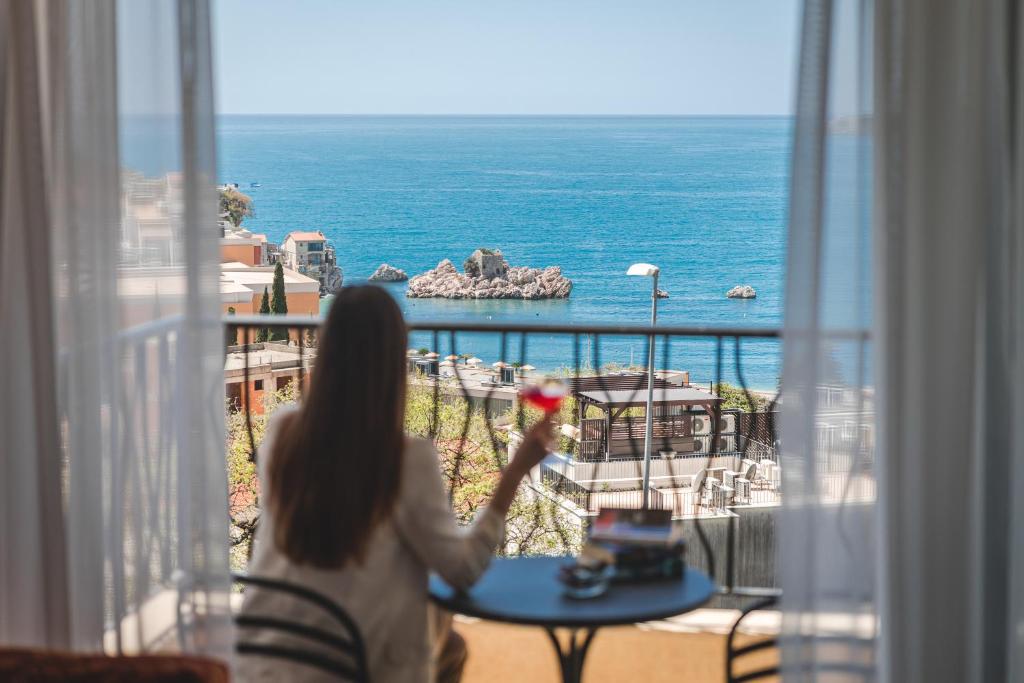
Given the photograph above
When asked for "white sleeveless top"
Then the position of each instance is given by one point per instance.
(387, 594)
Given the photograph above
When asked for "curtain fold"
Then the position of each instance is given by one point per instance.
(126, 151)
(950, 229)
(33, 565)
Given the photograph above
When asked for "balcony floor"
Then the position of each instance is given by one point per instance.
(670, 651)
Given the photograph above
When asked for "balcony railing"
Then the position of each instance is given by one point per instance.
(473, 415)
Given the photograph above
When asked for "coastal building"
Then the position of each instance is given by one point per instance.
(243, 246)
(151, 215)
(272, 367)
(484, 387)
(242, 289)
(273, 253)
(309, 253)
(147, 293)
(242, 286)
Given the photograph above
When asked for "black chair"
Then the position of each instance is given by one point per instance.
(732, 653)
(350, 666)
(851, 670)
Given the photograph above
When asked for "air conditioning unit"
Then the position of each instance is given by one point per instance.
(701, 425)
(729, 476)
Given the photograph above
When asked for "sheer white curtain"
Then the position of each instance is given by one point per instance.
(906, 225)
(127, 401)
(827, 549)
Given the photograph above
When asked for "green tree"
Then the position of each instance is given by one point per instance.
(232, 333)
(235, 205)
(278, 303)
(263, 334)
(470, 460)
(243, 486)
(737, 397)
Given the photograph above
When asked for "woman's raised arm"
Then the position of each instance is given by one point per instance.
(426, 523)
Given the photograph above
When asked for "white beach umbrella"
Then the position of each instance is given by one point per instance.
(432, 354)
(473, 361)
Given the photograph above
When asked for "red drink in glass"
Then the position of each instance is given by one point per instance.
(547, 397)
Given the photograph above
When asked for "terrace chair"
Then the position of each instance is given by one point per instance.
(854, 662)
(697, 487)
(346, 658)
(761, 480)
(734, 652)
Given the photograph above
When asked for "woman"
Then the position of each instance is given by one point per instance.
(357, 511)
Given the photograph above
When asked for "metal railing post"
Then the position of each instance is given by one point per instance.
(649, 426)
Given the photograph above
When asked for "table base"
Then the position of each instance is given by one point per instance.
(572, 655)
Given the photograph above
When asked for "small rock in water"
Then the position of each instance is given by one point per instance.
(742, 292)
(386, 273)
(662, 294)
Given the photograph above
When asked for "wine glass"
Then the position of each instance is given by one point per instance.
(546, 395)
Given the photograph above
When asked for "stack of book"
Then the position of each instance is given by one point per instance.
(641, 545)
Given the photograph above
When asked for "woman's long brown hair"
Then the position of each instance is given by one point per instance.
(335, 468)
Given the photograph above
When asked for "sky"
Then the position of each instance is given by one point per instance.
(706, 57)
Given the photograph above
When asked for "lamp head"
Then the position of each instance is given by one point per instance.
(643, 269)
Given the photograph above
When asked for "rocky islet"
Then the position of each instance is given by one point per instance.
(487, 275)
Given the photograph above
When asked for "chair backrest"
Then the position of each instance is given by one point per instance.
(698, 480)
(751, 472)
(733, 653)
(851, 654)
(347, 658)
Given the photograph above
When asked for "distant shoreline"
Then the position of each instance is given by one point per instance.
(504, 116)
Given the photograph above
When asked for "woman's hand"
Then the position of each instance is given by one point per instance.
(536, 444)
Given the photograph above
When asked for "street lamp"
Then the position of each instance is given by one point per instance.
(651, 271)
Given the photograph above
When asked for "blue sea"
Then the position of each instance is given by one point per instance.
(703, 198)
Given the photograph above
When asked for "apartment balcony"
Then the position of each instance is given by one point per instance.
(714, 464)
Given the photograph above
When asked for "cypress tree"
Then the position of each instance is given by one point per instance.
(263, 334)
(278, 302)
(232, 332)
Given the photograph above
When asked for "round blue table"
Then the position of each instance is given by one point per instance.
(527, 591)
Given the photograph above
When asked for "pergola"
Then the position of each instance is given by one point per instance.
(614, 402)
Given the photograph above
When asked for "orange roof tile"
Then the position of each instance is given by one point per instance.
(305, 236)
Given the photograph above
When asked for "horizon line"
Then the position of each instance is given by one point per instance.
(500, 115)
